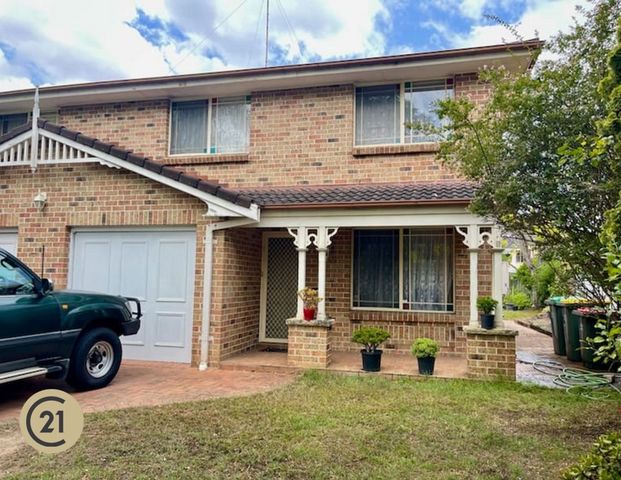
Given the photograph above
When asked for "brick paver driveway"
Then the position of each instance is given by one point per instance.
(146, 384)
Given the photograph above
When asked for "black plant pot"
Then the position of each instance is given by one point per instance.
(425, 365)
(510, 306)
(371, 361)
(487, 321)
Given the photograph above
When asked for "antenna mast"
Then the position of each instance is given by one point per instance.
(267, 30)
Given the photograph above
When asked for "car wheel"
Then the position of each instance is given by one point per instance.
(95, 360)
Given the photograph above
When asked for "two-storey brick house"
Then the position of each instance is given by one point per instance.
(215, 197)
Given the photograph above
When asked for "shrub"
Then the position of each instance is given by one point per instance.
(425, 348)
(520, 299)
(486, 304)
(603, 462)
(310, 297)
(370, 337)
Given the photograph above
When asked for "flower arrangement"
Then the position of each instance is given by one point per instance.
(310, 297)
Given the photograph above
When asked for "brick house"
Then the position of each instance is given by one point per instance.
(215, 197)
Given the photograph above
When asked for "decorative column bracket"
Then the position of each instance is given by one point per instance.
(322, 239)
(475, 237)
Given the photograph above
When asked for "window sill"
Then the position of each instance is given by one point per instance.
(369, 150)
(206, 159)
(405, 316)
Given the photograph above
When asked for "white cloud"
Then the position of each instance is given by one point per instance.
(541, 17)
(74, 41)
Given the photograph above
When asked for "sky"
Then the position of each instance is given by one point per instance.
(57, 42)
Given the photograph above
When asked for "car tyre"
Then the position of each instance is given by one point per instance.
(95, 360)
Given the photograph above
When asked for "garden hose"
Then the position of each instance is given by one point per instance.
(577, 381)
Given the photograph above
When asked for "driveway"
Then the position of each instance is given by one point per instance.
(147, 384)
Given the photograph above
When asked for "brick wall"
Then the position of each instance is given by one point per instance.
(491, 353)
(309, 345)
(91, 195)
(298, 137)
(236, 293)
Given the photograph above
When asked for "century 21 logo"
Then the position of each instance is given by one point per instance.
(51, 421)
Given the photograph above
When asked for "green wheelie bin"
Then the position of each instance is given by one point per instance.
(571, 323)
(587, 330)
(556, 321)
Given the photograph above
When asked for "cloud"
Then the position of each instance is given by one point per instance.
(74, 41)
(543, 18)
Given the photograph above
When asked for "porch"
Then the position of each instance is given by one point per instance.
(393, 364)
(415, 272)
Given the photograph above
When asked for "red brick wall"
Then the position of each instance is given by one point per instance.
(298, 137)
(83, 195)
(236, 293)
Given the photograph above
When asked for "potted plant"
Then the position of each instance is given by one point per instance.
(310, 299)
(371, 338)
(486, 306)
(425, 351)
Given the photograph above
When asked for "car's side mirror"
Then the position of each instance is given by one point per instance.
(43, 286)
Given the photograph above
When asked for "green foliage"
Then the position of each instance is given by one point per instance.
(370, 337)
(520, 299)
(425, 348)
(523, 277)
(531, 149)
(607, 342)
(486, 304)
(602, 463)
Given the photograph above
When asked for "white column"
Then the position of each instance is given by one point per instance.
(497, 251)
(472, 241)
(474, 286)
(301, 242)
(322, 241)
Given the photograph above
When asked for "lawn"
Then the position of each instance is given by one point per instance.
(521, 314)
(326, 426)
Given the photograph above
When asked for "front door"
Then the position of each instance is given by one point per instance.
(278, 286)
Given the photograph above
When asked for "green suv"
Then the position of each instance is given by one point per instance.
(65, 334)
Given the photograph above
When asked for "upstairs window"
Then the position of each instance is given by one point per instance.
(216, 125)
(9, 122)
(14, 120)
(400, 113)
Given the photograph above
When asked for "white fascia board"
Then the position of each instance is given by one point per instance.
(370, 217)
(175, 87)
(218, 206)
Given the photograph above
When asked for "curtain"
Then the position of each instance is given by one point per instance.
(376, 268)
(378, 115)
(229, 125)
(189, 127)
(428, 269)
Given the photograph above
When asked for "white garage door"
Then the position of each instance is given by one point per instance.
(157, 268)
(8, 241)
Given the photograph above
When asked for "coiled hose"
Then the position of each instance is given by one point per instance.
(577, 381)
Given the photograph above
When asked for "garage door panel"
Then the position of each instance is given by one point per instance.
(170, 329)
(172, 261)
(8, 241)
(156, 267)
(95, 258)
(134, 269)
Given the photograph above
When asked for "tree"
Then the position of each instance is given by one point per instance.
(529, 148)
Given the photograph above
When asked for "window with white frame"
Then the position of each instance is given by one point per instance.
(407, 269)
(215, 125)
(400, 113)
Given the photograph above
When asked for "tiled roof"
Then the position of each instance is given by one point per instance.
(175, 174)
(378, 194)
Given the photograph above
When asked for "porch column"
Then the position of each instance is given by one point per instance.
(302, 241)
(497, 250)
(471, 240)
(322, 241)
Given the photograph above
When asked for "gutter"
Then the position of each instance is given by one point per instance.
(208, 281)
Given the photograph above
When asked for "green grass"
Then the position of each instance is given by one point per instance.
(521, 314)
(326, 426)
